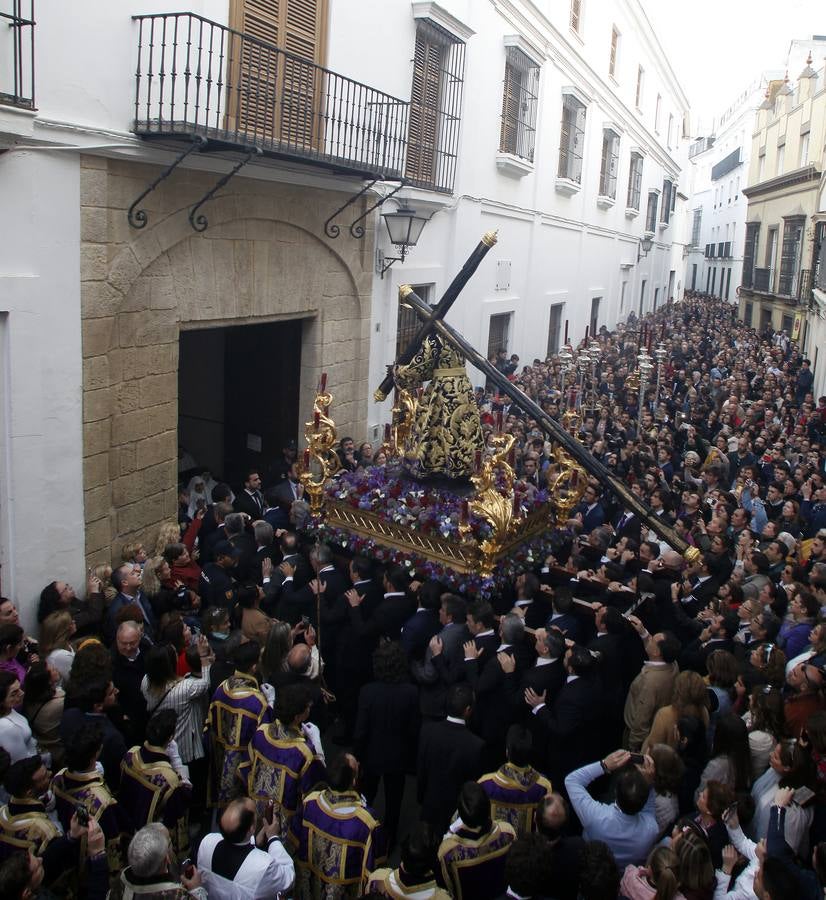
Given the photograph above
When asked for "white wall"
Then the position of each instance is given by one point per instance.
(41, 491)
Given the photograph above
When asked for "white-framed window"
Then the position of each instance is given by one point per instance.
(670, 137)
(519, 104)
(555, 328)
(499, 328)
(614, 52)
(657, 111)
(576, 16)
(609, 164)
(781, 159)
(634, 181)
(572, 138)
(640, 86)
(696, 226)
(651, 211)
(803, 152)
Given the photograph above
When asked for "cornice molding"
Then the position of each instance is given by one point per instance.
(424, 9)
(788, 179)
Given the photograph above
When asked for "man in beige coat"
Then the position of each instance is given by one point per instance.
(653, 687)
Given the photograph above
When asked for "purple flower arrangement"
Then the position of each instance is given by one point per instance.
(388, 492)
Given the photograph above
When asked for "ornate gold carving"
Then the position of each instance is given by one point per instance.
(379, 396)
(567, 486)
(320, 434)
(489, 238)
(692, 555)
(404, 291)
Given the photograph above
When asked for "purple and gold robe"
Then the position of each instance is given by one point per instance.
(339, 843)
(153, 791)
(25, 826)
(473, 866)
(282, 766)
(73, 788)
(397, 884)
(515, 795)
(237, 709)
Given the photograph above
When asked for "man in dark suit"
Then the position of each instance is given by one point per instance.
(449, 755)
(545, 677)
(589, 514)
(481, 623)
(562, 615)
(443, 664)
(264, 549)
(699, 587)
(289, 489)
(424, 623)
(126, 580)
(293, 570)
(320, 600)
(250, 500)
(611, 645)
(530, 601)
(571, 723)
(494, 712)
(627, 525)
(220, 511)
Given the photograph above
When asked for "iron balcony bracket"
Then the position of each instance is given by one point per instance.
(357, 230)
(200, 222)
(138, 217)
(333, 231)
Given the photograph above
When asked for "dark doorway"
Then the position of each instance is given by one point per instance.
(238, 395)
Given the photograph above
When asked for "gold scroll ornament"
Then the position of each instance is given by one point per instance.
(320, 434)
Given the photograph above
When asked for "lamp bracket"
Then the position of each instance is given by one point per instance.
(333, 231)
(383, 263)
(357, 230)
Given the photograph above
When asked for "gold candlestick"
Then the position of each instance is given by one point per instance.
(320, 434)
(494, 503)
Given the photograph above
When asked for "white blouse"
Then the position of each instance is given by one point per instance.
(16, 736)
(181, 697)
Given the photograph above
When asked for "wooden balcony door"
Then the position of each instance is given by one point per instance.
(273, 98)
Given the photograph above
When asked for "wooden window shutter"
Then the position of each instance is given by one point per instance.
(424, 109)
(510, 110)
(272, 96)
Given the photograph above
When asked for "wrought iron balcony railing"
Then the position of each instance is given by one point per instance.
(17, 53)
(198, 78)
(763, 280)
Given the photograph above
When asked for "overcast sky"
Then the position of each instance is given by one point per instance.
(716, 47)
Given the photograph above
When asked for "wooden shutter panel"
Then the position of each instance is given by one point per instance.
(424, 110)
(271, 96)
(508, 138)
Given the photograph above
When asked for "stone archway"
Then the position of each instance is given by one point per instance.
(251, 265)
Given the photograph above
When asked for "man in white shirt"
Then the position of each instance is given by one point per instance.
(238, 864)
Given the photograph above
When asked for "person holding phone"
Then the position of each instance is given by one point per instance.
(151, 869)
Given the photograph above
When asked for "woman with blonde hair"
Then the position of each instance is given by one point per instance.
(689, 699)
(168, 533)
(656, 880)
(56, 633)
(695, 869)
(103, 573)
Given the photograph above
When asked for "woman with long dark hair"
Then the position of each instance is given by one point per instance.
(730, 762)
(43, 702)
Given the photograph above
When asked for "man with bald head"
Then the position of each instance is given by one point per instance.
(246, 857)
(128, 669)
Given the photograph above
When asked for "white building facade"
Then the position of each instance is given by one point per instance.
(122, 338)
(717, 205)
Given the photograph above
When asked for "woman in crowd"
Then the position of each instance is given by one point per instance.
(15, 733)
(163, 688)
(730, 761)
(794, 634)
(254, 624)
(722, 674)
(694, 864)
(669, 770)
(274, 655)
(11, 643)
(56, 634)
(175, 631)
(790, 765)
(656, 880)
(689, 699)
(156, 573)
(43, 703)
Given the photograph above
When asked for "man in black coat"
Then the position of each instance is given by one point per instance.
(481, 623)
(531, 602)
(250, 500)
(494, 712)
(449, 755)
(424, 623)
(572, 722)
(128, 670)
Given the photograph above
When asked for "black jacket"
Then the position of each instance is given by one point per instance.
(449, 755)
(387, 728)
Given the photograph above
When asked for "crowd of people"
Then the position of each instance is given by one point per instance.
(225, 713)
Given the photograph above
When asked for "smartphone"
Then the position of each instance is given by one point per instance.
(637, 759)
(82, 815)
(729, 811)
(803, 795)
(305, 621)
(188, 868)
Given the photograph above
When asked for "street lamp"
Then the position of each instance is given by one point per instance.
(644, 247)
(404, 227)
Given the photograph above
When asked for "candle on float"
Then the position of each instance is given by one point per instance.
(464, 509)
(387, 431)
(566, 332)
(316, 419)
(574, 478)
(323, 383)
(498, 421)
(587, 329)
(477, 461)
(306, 460)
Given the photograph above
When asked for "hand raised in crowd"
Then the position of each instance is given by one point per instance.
(317, 586)
(266, 567)
(507, 663)
(533, 699)
(471, 650)
(783, 796)
(353, 597)
(95, 839)
(92, 584)
(436, 646)
(287, 569)
(616, 760)
(730, 857)
(310, 636)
